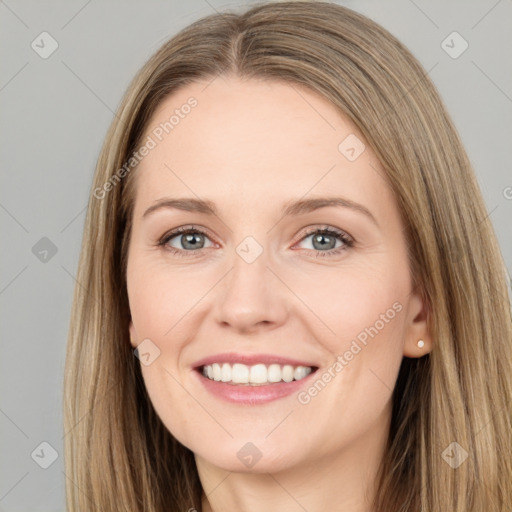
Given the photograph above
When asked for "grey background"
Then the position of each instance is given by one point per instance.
(55, 113)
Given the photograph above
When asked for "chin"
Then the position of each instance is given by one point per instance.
(250, 457)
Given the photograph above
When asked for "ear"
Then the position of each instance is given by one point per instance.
(133, 335)
(416, 328)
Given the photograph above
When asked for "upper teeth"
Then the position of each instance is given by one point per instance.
(257, 374)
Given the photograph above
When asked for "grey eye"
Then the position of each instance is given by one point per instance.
(189, 241)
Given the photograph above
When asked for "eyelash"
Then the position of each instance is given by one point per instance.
(328, 230)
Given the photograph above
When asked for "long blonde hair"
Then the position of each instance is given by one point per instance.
(120, 457)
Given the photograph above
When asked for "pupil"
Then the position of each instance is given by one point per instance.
(190, 238)
(319, 238)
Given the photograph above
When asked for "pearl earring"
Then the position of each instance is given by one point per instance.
(421, 343)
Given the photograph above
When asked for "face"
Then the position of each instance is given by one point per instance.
(265, 285)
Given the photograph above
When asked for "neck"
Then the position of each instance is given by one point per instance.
(343, 480)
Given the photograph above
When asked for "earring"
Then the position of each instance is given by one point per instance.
(421, 343)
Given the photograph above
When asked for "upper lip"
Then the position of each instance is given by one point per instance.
(250, 360)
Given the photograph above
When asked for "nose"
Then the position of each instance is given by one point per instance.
(251, 296)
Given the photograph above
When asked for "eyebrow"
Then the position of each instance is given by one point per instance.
(290, 208)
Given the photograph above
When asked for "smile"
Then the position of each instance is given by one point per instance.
(255, 375)
(252, 379)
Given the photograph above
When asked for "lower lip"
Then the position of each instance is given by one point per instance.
(252, 395)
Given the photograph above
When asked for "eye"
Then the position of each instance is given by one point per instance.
(324, 241)
(188, 237)
(192, 240)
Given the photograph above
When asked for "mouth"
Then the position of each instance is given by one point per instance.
(260, 374)
(252, 379)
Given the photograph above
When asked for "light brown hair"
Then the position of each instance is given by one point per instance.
(120, 457)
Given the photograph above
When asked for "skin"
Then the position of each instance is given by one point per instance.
(250, 147)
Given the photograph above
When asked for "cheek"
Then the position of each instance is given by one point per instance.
(363, 303)
(163, 306)
(365, 324)
(159, 299)
(362, 324)
(158, 307)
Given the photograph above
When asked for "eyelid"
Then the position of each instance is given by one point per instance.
(313, 228)
(172, 233)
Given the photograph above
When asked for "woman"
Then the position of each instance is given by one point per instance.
(219, 357)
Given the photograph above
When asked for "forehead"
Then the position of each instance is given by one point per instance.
(255, 142)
